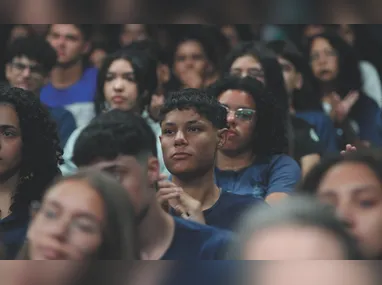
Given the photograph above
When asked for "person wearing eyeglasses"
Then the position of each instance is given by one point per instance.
(29, 62)
(193, 130)
(252, 160)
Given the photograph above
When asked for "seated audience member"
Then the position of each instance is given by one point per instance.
(83, 217)
(339, 83)
(193, 129)
(297, 228)
(73, 84)
(302, 103)
(352, 184)
(122, 143)
(252, 161)
(29, 62)
(29, 158)
(120, 85)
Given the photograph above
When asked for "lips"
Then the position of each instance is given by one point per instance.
(118, 99)
(180, 155)
(51, 254)
(232, 133)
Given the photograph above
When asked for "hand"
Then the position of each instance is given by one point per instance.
(191, 79)
(170, 195)
(341, 108)
(349, 148)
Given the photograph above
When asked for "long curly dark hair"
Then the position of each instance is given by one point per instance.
(41, 151)
(269, 135)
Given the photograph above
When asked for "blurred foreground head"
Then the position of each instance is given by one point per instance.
(296, 229)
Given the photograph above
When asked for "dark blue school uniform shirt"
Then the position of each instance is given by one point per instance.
(193, 241)
(324, 127)
(267, 175)
(228, 210)
(77, 98)
(13, 231)
(65, 121)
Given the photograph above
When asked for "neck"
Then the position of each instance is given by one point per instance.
(7, 188)
(63, 77)
(156, 232)
(234, 161)
(202, 188)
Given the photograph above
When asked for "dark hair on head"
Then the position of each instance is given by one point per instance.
(149, 65)
(205, 105)
(34, 48)
(269, 136)
(289, 51)
(370, 158)
(112, 134)
(41, 151)
(349, 75)
(134, 58)
(153, 48)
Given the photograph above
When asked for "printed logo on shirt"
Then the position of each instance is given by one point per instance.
(314, 135)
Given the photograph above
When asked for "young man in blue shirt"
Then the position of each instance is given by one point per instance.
(29, 62)
(122, 143)
(73, 84)
(193, 129)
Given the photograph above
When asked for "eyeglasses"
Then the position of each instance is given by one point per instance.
(250, 72)
(36, 70)
(243, 114)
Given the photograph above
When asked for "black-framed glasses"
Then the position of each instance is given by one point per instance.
(243, 114)
(35, 70)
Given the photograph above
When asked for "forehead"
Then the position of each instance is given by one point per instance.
(65, 29)
(238, 98)
(121, 160)
(8, 115)
(183, 116)
(247, 61)
(119, 64)
(190, 46)
(321, 43)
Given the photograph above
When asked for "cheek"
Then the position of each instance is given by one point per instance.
(107, 90)
(89, 244)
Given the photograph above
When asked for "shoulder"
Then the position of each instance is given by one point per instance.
(90, 73)
(244, 200)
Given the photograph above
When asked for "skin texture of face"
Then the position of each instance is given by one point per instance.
(97, 57)
(304, 243)
(138, 180)
(10, 142)
(313, 273)
(25, 73)
(324, 60)
(230, 32)
(189, 142)
(68, 42)
(356, 193)
(239, 135)
(190, 57)
(120, 88)
(132, 32)
(69, 225)
(248, 65)
(292, 78)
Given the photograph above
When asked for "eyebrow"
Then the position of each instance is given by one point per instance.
(169, 124)
(8, 127)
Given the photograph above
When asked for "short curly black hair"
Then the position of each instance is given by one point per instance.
(269, 134)
(41, 151)
(204, 104)
(114, 133)
(34, 48)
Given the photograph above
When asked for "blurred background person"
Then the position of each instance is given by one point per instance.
(84, 216)
(30, 154)
(309, 229)
(352, 185)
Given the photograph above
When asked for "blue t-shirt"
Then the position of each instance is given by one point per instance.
(267, 175)
(228, 209)
(193, 241)
(65, 121)
(78, 98)
(13, 231)
(324, 127)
